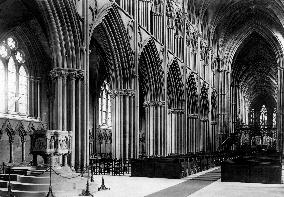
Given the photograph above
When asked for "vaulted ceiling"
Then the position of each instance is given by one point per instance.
(249, 33)
(255, 68)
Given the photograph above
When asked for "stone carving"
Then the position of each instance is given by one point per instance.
(39, 144)
(130, 33)
(191, 89)
(204, 52)
(175, 15)
(123, 92)
(100, 136)
(22, 132)
(204, 102)
(192, 36)
(176, 111)
(142, 136)
(104, 135)
(64, 73)
(153, 103)
(9, 130)
(179, 23)
(157, 7)
(45, 142)
(213, 104)
(51, 143)
(56, 73)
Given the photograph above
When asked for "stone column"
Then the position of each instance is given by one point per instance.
(176, 131)
(79, 124)
(155, 128)
(23, 141)
(31, 97)
(72, 118)
(56, 75)
(11, 135)
(124, 136)
(280, 103)
(38, 98)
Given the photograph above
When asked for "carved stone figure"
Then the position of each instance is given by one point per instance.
(213, 104)
(204, 102)
(191, 88)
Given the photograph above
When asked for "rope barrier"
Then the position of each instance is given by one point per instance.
(58, 174)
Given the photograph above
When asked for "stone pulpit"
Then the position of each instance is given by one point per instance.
(54, 143)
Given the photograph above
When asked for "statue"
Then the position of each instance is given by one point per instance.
(204, 102)
(192, 94)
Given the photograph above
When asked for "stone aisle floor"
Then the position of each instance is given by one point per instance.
(126, 186)
(235, 189)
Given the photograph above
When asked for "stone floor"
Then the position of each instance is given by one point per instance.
(126, 186)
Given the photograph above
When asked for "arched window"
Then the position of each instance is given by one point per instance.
(23, 91)
(12, 86)
(263, 116)
(2, 87)
(105, 107)
(274, 117)
(13, 79)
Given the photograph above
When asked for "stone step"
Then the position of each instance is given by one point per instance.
(5, 177)
(34, 179)
(29, 186)
(38, 173)
(17, 193)
(3, 184)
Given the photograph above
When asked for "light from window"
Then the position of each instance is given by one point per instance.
(13, 79)
(2, 87)
(3, 51)
(274, 117)
(12, 86)
(263, 116)
(23, 91)
(20, 57)
(11, 43)
(105, 107)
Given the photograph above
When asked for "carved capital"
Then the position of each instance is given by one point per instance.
(122, 92)
(57, 73)
(176, 111)
(80, 74)
(153, 103)
(66, 72)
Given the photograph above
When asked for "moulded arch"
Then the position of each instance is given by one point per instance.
(151, 74)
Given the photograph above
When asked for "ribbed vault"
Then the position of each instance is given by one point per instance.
(111, 35)
(255, 68)
(247, 37)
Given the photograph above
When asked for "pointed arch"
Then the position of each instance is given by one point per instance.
(20, 129)
(6, 127)
(151, 75)
(112, 37)
(175, 85)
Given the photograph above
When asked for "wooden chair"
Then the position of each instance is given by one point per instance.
(117, 167)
